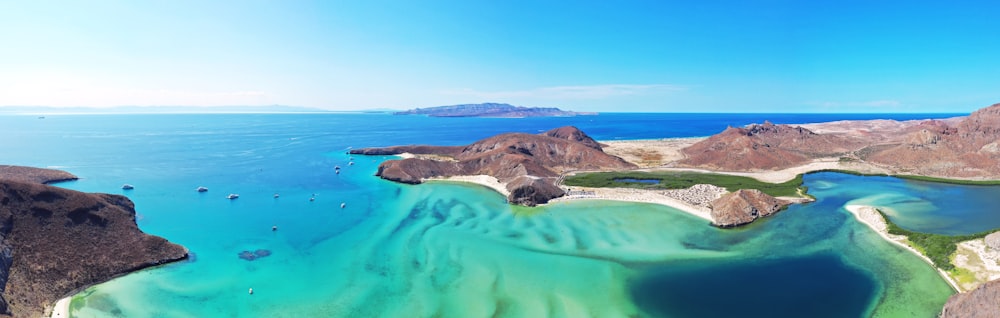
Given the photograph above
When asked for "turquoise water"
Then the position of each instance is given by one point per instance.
(446, 249)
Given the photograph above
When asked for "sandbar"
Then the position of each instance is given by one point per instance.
(867, 215)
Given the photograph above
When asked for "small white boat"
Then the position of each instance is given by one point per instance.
(251, 291)
(312, 199)
(127, 187)
(336, 167)
(233, 196)
(202, 189)
(350, 163)
(276, 195)
(342, 205)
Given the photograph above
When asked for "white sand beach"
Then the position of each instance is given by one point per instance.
(870, 217)
(61, 310)
(483, 180)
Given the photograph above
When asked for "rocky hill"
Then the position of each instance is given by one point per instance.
(527, 163)
(744, 206)
(982, 302)
(967, 148)
(489, 110)
(764, 147)
(56, 241)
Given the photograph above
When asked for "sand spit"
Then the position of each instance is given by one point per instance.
(870, 217)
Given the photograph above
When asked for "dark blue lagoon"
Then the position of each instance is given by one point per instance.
(446, 249)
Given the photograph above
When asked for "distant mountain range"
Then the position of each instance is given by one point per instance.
(491, 110)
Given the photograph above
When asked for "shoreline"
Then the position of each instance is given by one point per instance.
(61, 309)
(871, 218)
(636, 196)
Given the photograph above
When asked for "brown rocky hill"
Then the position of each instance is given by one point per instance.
(982, 302)
(969, 148)
(744, 206)
(56, 241)
(764, 147)
(528, 163)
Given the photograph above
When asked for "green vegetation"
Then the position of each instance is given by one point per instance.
(852, 172)
(937, 247)
(682, 180)
(949, 181)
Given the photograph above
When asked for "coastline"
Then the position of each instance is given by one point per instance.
(868, 216)
(61, 309)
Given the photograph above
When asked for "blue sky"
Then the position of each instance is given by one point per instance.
(669, 56)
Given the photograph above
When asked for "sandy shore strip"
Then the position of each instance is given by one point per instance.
(635, 195)
(870, 217)
(979, 259)
(61, 310)
(483, 180)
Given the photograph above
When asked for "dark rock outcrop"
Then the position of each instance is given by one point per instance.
(489, 110)
(510, 158)
(982, 302)
(744, 206)
(55, 241)
(527, 190)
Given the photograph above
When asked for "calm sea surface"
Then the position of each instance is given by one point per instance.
(456, 250)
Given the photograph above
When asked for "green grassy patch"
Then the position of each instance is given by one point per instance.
(682, 180)
(937, 247)
(949, 181)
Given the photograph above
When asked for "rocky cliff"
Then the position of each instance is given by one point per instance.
(489, 110)
(527, 163)
(982, 302)
(744, 206)
(56, 241)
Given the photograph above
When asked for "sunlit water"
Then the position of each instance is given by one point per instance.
(456, 250)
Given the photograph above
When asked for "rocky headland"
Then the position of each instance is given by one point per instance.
(54, 241)
(490, 110)
(528, 164)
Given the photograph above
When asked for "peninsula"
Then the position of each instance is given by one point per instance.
(491, 110)
(57, 241)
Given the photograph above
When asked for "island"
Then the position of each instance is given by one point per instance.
(737, 176)
(56, 241)
(491, 110)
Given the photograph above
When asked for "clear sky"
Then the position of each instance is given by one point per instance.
(670, 56)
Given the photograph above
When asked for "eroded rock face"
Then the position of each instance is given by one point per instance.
(56, 241)
(982, 302)
(507, 157)
(744, 206)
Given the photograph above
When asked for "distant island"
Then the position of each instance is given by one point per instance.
(491, 110)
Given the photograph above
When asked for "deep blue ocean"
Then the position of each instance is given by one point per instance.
(457, 250)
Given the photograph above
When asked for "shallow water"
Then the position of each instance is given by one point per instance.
(445, 249)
